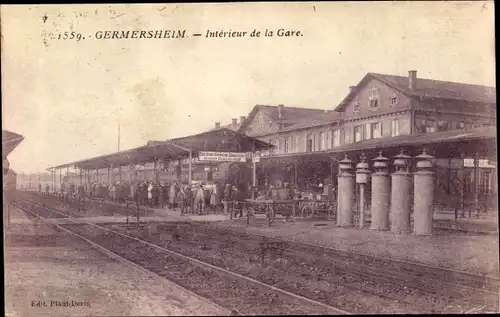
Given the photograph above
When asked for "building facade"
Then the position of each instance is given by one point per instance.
(380, 107)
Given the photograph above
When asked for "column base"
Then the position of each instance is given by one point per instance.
(422, 234)
(379, 229)
(400, 231)
(345, 225)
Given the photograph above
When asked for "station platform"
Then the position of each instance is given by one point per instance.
(467, 244)
(472, 252)
(48, 273)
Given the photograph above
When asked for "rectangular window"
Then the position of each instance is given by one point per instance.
(288, 143)
(336, 138)
(376, 131)
(395, 127)
(468, 181)
(484, 185)
(368, 131)
(322, 144)
(374, 98)
(347, 136)
(356, 107)
(309, 142)
(329, 135)
(358, 133)
(297, 142)
(394, 99)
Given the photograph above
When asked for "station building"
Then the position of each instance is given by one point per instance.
(455, 121)
(379, 109)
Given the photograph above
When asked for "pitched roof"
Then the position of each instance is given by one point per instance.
(290, 114)
(216, 140)
(430, 88)
(10, 141)
(319, 119)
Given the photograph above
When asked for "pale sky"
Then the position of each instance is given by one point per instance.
(67, 97)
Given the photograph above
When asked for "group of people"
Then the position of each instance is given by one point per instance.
(194, 198)
(198, 198)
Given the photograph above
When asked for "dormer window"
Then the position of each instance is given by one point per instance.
(394, 100)
(356, 107)
(374, 98)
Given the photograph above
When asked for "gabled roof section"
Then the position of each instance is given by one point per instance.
(290, 115)
(429, 89)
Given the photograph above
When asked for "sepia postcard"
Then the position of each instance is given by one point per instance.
(265, 158)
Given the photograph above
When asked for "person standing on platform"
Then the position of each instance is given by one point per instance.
(237, 199)
(172, 195)
(215, 197)
(150, 194)
(189, 198)
(112, 191)
(227, 197)
(182, 199)
(161, 195)
(199, 200)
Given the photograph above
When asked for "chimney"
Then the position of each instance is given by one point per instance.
(242, 118)
(217, 125)
(280, 111)
(235, 122)
(352, 89)
(412, 79)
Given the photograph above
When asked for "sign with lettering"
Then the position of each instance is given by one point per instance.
(256, 159)
(222, 156)
(482, 163)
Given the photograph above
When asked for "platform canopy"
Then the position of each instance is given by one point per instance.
(10, 141)
(219, 140)
(445, 144)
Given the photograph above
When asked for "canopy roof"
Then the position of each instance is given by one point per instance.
(10, 141)
(222, 140)
(446, 144)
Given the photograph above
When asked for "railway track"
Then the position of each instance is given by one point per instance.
(418, 288)
(410, 286)
(237, 293)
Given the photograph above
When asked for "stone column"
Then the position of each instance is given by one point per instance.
(380, 195)
(362, 177)
(400, 195)
(423, 195)
(345, 196)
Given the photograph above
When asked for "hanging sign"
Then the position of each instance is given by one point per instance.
(222, 156)
(256, 159)
(482, 163)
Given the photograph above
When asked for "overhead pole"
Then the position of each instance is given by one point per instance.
(118, 137)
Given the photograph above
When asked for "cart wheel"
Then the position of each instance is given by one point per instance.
(307, 211)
